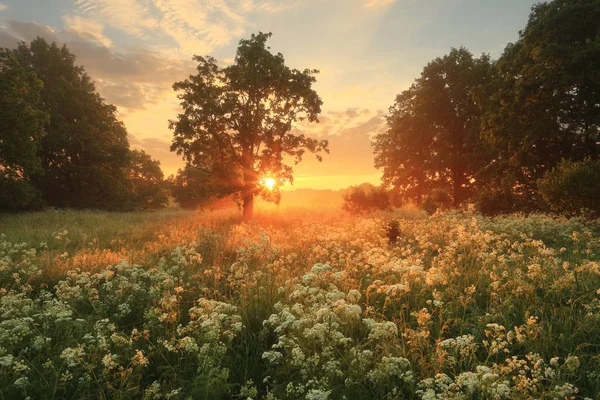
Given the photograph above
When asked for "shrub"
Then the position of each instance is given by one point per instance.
(438, 199)
(572, 188)
(366, 198)
(18, 194)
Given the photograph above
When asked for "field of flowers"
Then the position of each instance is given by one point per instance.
(299, 306)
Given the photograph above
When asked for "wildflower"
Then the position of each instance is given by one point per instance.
(139, 360)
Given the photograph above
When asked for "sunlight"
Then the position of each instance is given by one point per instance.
(269, 183)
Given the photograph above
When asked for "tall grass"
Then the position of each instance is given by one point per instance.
(298, 305)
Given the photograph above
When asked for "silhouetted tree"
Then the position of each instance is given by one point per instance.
(544, 104)
(432, 139)
(22, 122)
(572, 188)
(193, 188)
(84, 153)
(366, 198)
(148, 187)
(236, 124)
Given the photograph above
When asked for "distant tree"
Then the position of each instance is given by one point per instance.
(432, 141)
(572, 188)
(148, 187)
(236, 124)
(366, 198)
(84, 154)
(544, 104)
(22, 120)
(437, 199)
(193, 188)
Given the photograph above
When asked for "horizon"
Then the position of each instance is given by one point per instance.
(367, 52)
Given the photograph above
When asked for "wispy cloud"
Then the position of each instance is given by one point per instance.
(3, 7)
(87, 28)
(197, 26)
(131, 79)
(270, 6)
(129, 16)
(374, 4)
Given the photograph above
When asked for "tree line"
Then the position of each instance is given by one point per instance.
(517, 134)
(520, 133)
(61, 145)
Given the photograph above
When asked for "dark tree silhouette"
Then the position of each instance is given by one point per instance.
(84, 151)
(237, 122)
(22, 120)
(544, 105)
(433, 129)
(73, 151)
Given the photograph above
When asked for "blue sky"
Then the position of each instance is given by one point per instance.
(367, 51)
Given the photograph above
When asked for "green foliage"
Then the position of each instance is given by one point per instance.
(84, 151)
(487, 131)
(457, 306)
(194, 187)
(61, 144)
(22, 120)
(366, 198)
(432, 135)
(572, 188)
(17, 194)
(542, 106)
(148, 187)
(437, 200)
(236, 123)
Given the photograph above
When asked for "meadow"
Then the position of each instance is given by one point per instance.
(298, 305)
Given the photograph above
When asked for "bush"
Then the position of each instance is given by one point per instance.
(491, 201)
(17, 194)
(438, 199)
(366, 198)
(572, 188)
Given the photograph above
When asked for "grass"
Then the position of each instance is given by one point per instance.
(299, 305)
(131, 228)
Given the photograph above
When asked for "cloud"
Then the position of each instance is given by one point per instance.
(199, 27)
(130, 16)
(130, 79)
(349, 133)
(86, 28)
(196, 26)
(270, 6)
(373, 4)
(158, 149)
(3, 7)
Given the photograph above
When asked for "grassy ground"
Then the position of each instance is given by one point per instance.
(133, 229)
(298, 305)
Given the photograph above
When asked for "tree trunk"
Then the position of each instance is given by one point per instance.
(458, 180)
(248, 206)
(249, 184)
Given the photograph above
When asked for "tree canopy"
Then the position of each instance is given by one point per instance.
(60, 143)
(22, 120)
(84, 151)
(544, 105)
(487, 131)
(432, 137)
(237, 121)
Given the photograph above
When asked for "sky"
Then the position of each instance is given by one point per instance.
(367, 52)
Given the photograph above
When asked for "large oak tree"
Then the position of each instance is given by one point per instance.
(432, 139)
(544, 105)
(22, 120)
(237, 123)
(84, 153)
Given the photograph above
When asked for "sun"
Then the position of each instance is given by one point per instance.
(269, 183)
